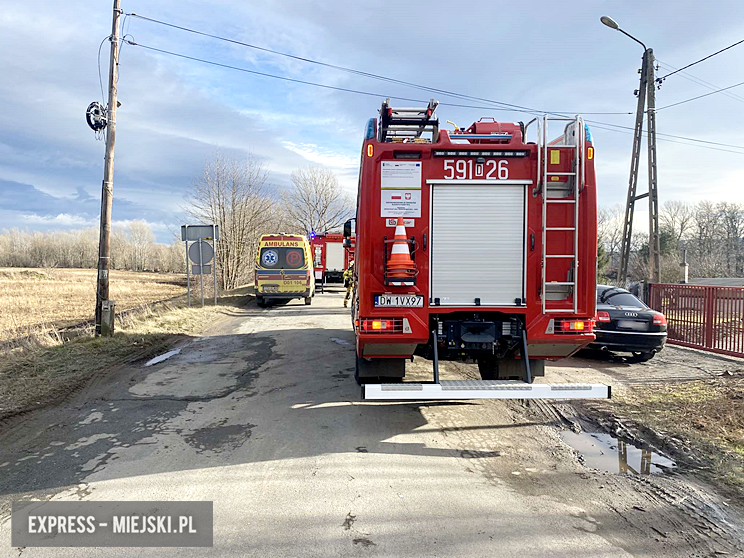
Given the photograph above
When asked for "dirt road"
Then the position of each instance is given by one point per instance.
(263, 417)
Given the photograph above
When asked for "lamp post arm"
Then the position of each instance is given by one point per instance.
(632, 37)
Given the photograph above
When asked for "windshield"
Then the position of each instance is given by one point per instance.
(282, 258)
(617, 297)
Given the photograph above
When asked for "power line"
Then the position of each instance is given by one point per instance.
(594, 122)
(603, 125)
(701, 96)
(702, 82)
(517, 108)
(645, 133)
(100, 79)
(659, 80)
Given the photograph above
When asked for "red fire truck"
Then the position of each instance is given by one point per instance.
(473, 245)
(330, 257)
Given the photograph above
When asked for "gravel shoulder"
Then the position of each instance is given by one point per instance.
(685, 403)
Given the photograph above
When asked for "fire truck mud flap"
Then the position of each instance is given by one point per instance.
(484, 389)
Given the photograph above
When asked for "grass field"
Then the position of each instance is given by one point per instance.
(44, 362)
(37, 303)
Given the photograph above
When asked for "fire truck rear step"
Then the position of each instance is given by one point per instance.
(484, 389)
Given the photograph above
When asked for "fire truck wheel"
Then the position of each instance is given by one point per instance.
(308, 300)
(488, 368)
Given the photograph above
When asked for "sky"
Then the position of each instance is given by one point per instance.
(176, 113)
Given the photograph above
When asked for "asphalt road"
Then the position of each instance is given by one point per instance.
(263, 417)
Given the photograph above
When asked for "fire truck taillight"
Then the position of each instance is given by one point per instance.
(603, 316)
(576, 326)
(382, 325)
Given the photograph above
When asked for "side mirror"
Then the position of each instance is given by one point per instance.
(348, 228)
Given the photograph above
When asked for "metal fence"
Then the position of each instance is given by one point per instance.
(702, 317)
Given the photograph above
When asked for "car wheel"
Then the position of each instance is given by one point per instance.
(640, 357)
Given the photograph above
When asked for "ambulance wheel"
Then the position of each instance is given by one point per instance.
(308, 300)
(488, 368)
(261, 302)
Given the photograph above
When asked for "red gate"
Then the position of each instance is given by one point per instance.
(701, 316)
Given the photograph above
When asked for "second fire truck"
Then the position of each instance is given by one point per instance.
(477, 245)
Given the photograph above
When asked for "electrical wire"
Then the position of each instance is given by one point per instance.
(700, 96)
(602, 125)
(702, 82)
(659, 80)
(370, 75)
(100, 78)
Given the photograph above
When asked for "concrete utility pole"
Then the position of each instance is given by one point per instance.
(646, 93)
(104, 307)
(654, 243)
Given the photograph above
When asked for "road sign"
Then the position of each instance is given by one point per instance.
(200, 253)
(207, 253)
(200, 232)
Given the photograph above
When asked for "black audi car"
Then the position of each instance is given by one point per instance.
(625, 325)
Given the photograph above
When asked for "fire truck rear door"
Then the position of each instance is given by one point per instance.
(334, 256)
(478, 242)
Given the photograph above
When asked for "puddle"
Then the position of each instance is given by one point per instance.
(162, 357)
(603, 452)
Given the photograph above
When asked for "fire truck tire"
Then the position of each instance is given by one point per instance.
(488, 368)
(379, 371)
(308, 300)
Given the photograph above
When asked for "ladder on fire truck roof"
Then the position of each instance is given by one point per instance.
(408, 124)
(574, 138)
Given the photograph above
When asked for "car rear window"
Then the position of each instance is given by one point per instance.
(282, 258)
(618, 298)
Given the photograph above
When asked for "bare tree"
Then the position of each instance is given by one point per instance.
(706, 248)
(231, 194)
(732, 223)
(678, 219)
(316, 201)
(610, 234)
(141, 241)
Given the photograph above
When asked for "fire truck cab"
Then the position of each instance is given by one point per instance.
(474, 245)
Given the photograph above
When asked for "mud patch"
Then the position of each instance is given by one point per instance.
(605, 453)
(219, 438)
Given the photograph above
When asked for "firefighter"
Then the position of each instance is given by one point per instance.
(348, 282)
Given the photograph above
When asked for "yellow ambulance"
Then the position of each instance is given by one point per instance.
(284, 269)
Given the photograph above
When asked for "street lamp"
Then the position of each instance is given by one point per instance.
(646, 90)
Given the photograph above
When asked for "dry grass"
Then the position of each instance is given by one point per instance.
(707, 415)
(37, 304)
(37, 376)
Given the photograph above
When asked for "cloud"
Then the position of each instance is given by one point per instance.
(323, 156)
(61, 219)
(177, 113)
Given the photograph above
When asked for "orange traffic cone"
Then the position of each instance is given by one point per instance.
(400, 265)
